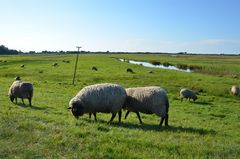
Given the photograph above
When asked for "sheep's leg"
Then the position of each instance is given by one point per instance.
(95, 116)
(16, 100)
(113, 116)
(119, 116)
(90, 114)
(166, 120)
(161, 122)
(139, 118)
(23, 102)
(30, 101)
(127, 114)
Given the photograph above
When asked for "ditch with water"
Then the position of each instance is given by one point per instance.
(147, 64)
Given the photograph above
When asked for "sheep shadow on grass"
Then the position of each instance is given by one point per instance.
(32, 107)
(202, 103)
(38, 108)
(153, 127)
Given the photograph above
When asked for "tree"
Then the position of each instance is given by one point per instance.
(5, 51)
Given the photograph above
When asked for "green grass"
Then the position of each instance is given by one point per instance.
(207, 128)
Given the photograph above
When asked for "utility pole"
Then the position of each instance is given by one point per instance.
(78, 47)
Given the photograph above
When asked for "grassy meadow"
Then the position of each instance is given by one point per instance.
(207, 128)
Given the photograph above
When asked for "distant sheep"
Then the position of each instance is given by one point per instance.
(94, 68)
(17, 78)
(55, 64)
(188, 94)
(105, 98)
(22, 66)
(148, 100)
(235, 90)
(130, 70)
(66, 61)
(20, 89)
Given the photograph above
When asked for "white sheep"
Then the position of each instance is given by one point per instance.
(235, 90)
(20, 89)
(148, 100)
(105, 98)
(188, 94)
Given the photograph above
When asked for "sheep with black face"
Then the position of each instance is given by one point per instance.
(188, 94)
(20, 89)
(105, 98)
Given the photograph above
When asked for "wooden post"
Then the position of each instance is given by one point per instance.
(74, 75)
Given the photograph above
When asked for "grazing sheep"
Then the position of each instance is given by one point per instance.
(94, 68)
(55, 64)
(22, 66)
(105, 98)
(148, 100)
(235, 90)
(17, 78)
(150, 72)
(66, 61)
(188, 94)
(130, 70)
(20, 89)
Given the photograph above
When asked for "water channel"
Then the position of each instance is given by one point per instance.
(147, 64)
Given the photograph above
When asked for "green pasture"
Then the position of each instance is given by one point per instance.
(207, 128)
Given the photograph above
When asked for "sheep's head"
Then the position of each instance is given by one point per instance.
(77, 109)
(195, 98)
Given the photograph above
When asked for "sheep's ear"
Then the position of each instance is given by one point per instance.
(69, 108)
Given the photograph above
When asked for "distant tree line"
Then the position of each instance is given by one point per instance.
(5, 51)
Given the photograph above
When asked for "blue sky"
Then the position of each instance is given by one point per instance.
(198, 26)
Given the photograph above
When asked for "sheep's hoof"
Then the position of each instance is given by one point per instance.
(109, 122)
